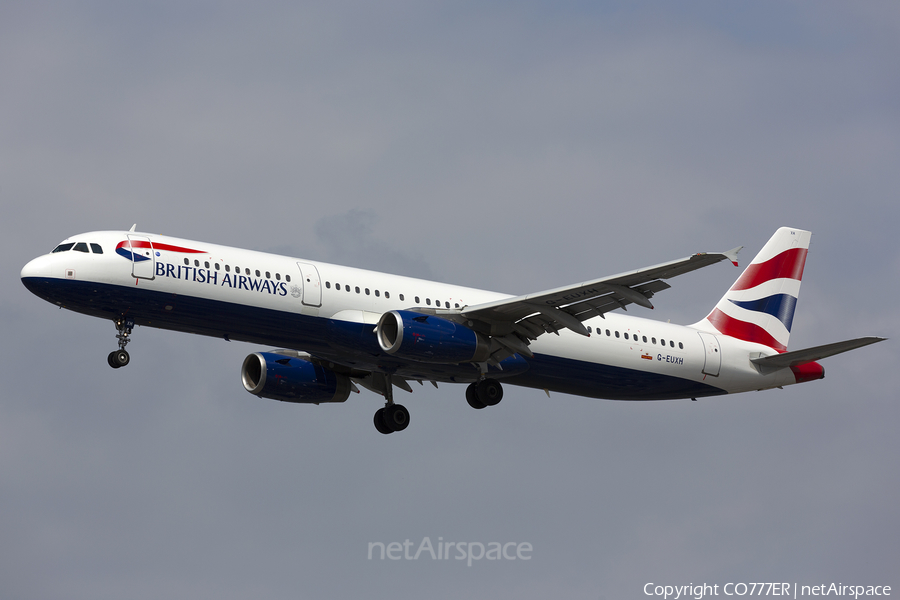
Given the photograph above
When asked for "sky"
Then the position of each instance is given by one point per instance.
(511, 146)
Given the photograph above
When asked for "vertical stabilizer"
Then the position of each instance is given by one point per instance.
(759, 307)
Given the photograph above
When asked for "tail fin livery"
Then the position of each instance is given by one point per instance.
(759, 307)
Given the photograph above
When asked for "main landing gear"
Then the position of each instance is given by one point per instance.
(120, 358)
(393, 417)
(487, 392)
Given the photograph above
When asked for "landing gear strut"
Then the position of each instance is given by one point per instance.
(120, 358)
(393, 417)
(487, 392)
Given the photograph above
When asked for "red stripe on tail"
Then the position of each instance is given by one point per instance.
(742, 330)
(787, 265)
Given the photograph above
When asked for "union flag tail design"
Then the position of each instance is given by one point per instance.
(759, 307)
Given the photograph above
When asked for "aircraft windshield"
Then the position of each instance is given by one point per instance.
(80, 247)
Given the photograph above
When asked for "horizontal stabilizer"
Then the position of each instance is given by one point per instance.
(799, 357)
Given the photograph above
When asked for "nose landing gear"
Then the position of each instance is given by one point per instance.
(120, 358)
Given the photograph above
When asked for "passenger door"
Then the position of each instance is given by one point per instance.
(143, 258)
(712, 354)
(312, 286)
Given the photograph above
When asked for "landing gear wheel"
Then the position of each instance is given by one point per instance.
(118, 358)
(395, 416)
(489, 391)
(472, 397)
(380, 425)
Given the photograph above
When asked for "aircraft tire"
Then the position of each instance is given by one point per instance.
(489, 392)
(380, 425)
(472, 397)
(119, 358)
(395, 417)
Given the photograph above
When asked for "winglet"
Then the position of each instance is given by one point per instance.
(732, 255)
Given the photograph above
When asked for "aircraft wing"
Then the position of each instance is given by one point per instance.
(532, 315)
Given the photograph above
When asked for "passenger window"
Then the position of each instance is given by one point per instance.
(268, 275)
(257, 272)
(196, 263)
(607, 333)
(589, 329)
(367, 292)
(227, 268)
(387, 294)
(653, 340)
(663, 342)
(417, 300)
(357, 289)
(187, 262)
(456, 305)
(278, 277)
(328, 285)
(377, 294)
(671, 344)
(645, 339)
(96, 249)
(401, 298)
(80, 247)
(63, 248)
(680, 346)
(626, 336)
(446, 304)
(287, 278)
(247, 271)
(206, 264)
(217, 266)
(617, 334)
(428, 301)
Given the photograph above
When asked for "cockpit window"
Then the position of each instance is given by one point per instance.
(96, 249)
(63, 247)
(80, 247)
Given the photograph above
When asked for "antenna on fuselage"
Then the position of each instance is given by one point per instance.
(132, 228)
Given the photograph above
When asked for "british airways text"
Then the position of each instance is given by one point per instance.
(235, 281)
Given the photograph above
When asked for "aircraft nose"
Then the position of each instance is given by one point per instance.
(37, 276)
(39, 267)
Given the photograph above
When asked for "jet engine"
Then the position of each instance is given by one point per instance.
(292, 379)
(427, 338)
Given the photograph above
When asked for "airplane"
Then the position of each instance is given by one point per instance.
(339, 328)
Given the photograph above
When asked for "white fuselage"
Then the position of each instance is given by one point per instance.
(240, 294)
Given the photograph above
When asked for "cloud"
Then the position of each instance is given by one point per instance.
(349, 239)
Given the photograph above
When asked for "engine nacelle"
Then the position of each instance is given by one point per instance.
(292, 379)
(427, 338)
